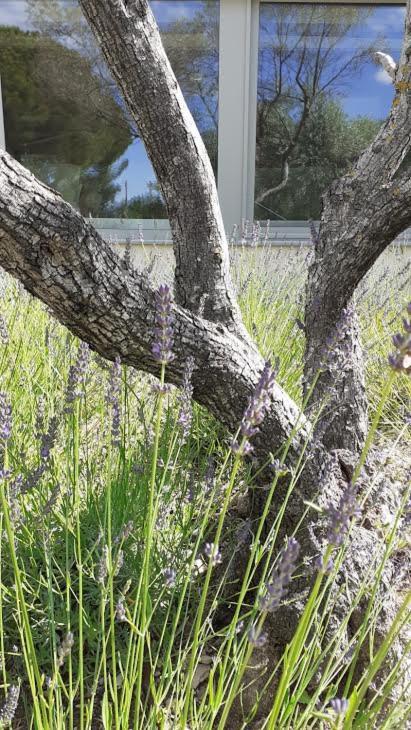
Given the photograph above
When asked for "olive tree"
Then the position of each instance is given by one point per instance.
(61, 258)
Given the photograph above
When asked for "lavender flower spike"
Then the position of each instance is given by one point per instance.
(121, 614)
(169, 576)
(9, 708)
(213, 553)
(185, 415)
(256, 409)
(65, 648)
(341, 516)
(4, 333)
(280, 577)
(77, 375)
(163, 331)
(339, 706)
(256, 637)
(5, 418)
(401, 359)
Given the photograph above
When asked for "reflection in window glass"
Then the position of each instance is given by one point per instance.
(321, 98)
(64, 118)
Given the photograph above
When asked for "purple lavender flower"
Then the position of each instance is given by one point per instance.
(52, 500)
(15, 488)
(121, 610)
(5, 418)
(9, 707)
(256, 233)
(34, 477)
(278, 468)
(256, 409)
(339, 706)
(256, 637)
(119, 562)
(41, 405)
(341, 516)
(169, 575)
(4, 333)
(185, 415)
(233, 236)
(212, 552)
(163, 331)
(47, 442)
(244, 449)
(113, 400)
(102, 568)
(319, 564)
(159, 389)
(48, 439)
(125, 532)
(65, 648)
(77, 376)
(400, 360)
(281, 577)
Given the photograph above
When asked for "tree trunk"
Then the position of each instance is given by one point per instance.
(61, 259)
(362, 214)
(129, 38)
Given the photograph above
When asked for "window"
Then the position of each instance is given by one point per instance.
(64, 118)
(320, 98)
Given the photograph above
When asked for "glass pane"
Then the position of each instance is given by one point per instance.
(64, 118)
(321, 98)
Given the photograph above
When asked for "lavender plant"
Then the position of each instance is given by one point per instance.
(111, 616)
(77, 375)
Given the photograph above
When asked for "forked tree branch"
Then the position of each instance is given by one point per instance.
(128, 35)
(62, 260)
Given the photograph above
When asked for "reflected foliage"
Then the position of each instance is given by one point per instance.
(311, 62)
(65, 119)
(55, 118)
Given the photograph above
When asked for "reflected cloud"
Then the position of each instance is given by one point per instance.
(170, 12)
(382, 77)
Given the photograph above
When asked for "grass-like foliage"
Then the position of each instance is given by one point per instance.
(115, 498)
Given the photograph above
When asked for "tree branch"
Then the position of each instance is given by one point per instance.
(130, 41)
(285, 172)
(362, 213)
(61, 259)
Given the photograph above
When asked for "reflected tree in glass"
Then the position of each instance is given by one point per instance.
(123, 184)
(319, 101)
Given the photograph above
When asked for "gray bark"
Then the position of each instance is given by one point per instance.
(62, 260)
(362, 213)
(130, 40)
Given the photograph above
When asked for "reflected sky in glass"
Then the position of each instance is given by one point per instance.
(367, 92)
